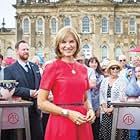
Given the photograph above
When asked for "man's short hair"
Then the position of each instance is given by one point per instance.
(19, 42)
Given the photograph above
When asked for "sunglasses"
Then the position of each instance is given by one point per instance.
(104, 69)
(113, 68)
(122, 60)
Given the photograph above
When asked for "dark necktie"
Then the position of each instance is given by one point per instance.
(29, 70)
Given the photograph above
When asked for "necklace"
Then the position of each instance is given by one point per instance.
(73, 71)
(71, 66)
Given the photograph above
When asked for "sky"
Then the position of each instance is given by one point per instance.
(7, 11)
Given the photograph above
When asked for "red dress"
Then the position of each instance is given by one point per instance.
(67, 88)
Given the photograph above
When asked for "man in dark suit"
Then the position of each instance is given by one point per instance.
(28, 77)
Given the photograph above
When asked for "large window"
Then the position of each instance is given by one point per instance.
(103, 52)
(9, 52)
(132, 25)
(66, 21)
(52, 54)
(104, 25)
(87, 51)
(118, 25)
(53, 25)
(85, 25)
(39, 25)
(26, 25)
(118, 52)
(40, 54)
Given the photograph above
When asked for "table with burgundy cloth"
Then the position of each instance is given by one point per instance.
(14, 115)
(125, 116)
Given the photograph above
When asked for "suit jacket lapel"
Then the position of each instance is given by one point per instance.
(35, 71)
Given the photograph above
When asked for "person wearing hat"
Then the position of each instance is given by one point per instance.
(111, 89)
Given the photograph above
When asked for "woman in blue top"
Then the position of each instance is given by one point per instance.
(94, 94)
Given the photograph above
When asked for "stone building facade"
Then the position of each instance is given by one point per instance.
(7, 42)
(106, 28)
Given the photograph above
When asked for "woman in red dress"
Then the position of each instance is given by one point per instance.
(71, 113)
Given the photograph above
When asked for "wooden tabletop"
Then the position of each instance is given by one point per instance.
(126, 104)
(15, 103)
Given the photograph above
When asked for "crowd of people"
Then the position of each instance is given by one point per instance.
(71, 95)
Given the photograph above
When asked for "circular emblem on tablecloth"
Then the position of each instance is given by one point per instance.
(128, 119)
(13, 118)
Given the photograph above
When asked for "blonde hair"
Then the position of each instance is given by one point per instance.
(64, 32)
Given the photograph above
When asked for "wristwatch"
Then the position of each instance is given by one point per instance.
(65, 112)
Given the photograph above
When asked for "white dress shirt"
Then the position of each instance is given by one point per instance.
(23, 64)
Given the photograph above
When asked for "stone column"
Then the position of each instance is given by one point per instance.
(138, 34)
(97, 23)
(33, 33)
(125, 25)
(76, 21)
(19, 27)
(111, 36)
(47, 32)
(60, 21)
